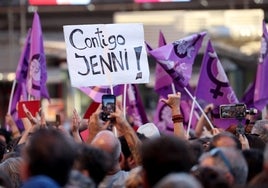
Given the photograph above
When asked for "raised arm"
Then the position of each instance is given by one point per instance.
(202, 122)
(173, 101)
(13, 126)
(125, 129)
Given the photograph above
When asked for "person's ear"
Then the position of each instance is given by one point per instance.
(121, 158)
(230, 178)
(131, 162)
(24, 171)
(85, 173)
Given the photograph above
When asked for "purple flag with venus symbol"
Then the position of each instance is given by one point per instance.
(261, 84)
(177, 58)
(213, 85)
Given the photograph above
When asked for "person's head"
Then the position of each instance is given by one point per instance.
(92, 162)
(108, 142)
(254, 158)
(179, 180)
(225, 139)
(5, 181)
(128, 162)
(261, 179)
(210, 177)
(261, 128)
(5, 135)
(11, 167)
(50, 153)
(230, 161)
(265, 159)
(164, 155)
(255, 142)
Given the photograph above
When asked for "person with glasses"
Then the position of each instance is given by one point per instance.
(230, 161)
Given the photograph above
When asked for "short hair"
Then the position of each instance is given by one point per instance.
(230, 159)
(225, 134)
(254, 158)
(11, 167)
(261, 128)
(210, 177)
(94, 160)
(163, 155)
(265, 154)
(179, 180)
(49, 152)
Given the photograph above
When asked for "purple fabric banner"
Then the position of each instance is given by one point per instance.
(163, 81)
(22, 68)
(96, 92)
(37, 71)
(163, 118)
(178, 57)
(248, 97)
(19, 94)
(261, 84)
(213, 85)
(185, 107)
(135, 108)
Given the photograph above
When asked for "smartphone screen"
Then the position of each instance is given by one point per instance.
(108, 106)
(233, 111)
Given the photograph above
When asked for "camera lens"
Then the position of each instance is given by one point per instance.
(252, 111)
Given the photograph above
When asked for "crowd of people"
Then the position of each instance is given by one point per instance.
(115, 155)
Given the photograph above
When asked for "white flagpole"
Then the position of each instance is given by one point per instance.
(173, 88)
(11, 96)
(200, 108)
(112, 89)
(190, 118)
(124, 100)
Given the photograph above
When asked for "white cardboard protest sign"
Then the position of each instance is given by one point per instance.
(106, 54)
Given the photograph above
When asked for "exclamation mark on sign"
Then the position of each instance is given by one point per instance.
(138, 56)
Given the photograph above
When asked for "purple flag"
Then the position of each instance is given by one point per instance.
(163, 81)
(213, 85)
(22, 68)
(185, 107)
(261, 84)
(96, 92)
(161, 41)
(37, 71)
(19, 94)
(248, 97)
(163, 118)
(134, 105)
(148, 47)
(177, 58)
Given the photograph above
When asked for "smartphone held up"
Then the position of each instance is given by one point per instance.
(236, 111)
(108, 106)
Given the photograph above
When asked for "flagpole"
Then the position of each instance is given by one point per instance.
(124, 100)
(173, 88)
(200, 108)
(190, 118)
(11, 96)
(112, 89)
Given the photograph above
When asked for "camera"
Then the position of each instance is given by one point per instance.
(108, 106)
(236, 111)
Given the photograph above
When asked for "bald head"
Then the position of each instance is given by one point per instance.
(108, 142)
